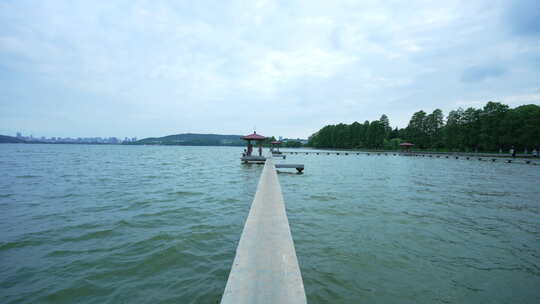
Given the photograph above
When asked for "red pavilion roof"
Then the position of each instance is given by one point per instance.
(406, 144)
(254, 136)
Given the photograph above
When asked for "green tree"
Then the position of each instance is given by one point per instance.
(416, 130)
(292, 144)
(376, 134)
(433, 126)
(394, 133)
(341, 136)
(491, 128)
(522, 128)
(386, 124)
(356, 135)
(471, 127)
(453, 132)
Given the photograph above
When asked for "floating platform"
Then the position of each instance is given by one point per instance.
(278, 155)
(253, 159)
(298, 167)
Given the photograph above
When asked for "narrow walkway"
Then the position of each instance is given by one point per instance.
(265, 269)
(467, 156)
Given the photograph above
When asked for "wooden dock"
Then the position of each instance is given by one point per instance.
(265, 268)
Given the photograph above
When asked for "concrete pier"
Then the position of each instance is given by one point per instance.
(522, 159)
(265, 268)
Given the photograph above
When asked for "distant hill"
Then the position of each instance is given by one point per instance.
(191, 139)
(4, 139)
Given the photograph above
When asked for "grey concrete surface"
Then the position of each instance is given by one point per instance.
(265, 268)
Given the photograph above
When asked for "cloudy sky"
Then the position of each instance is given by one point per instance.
(153, 68)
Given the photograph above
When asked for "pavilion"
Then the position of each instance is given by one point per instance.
(275, 147)
(406, 146)
(248, 156)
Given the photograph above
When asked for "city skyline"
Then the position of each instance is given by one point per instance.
(58, 139)
(108, 139)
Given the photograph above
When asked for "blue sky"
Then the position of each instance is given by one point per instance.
(153, 68)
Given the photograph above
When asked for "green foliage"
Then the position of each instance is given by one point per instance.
(292, 144)
(392, 144)
(376, 134)
(416, 131)
(491, 128)
(268, 140)
(355, 135)
(190, 139)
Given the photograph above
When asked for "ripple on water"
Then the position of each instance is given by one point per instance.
(27, 176)
(229, 200)
(185, 193)
(161, 224)
(323, 198)
(168, 212)
(81, 252)
(99, 234)
(19, 244)
(83, 290)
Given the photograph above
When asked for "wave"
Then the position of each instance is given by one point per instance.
(100, 234)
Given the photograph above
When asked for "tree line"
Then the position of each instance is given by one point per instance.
(494, 127)
(286, 144)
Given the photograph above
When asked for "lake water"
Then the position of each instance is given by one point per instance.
(143, 224)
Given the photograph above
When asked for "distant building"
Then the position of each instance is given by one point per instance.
(76, 140)
(302, 141)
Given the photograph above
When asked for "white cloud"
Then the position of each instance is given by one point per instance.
(511, 100)
(516, 100)
(278, 67)
(196, 63)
